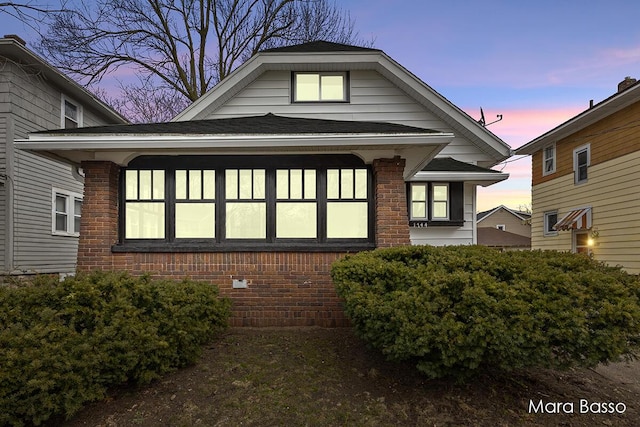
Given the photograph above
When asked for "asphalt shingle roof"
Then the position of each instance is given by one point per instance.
(269, 124)
(320, 46)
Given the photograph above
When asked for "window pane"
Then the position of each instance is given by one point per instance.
(131, 178)
(231, 183)
(582, 173)
(144, 220)
(332, 88)
(209, 182)
(440, 192)
(282, 184)
(440, 210)
(195, 185)
(295, 184)
(307, 87)
(61, 222)
(347, 220)
(333, 184)
(195, 220)
(76, 225)
(346, 184)
(145, 185)
(419, 193)
(61, 203)
(258, 184)
(181, 184)
(158, 185)
(70, 111)
(361, 183)
(582, 157)
(77, 207)
(582, 239)
(246, 183)
(310, 184)
(246, 220)
(296, 220)
(419, 210)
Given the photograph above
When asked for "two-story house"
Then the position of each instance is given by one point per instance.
(40, 199)
(584, 181)
(300, 156)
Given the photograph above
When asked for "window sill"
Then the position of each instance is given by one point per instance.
(240, 247)
(425, 224)
(62, 234)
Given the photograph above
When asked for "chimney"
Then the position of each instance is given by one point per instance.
(16, 38)
(626, 83)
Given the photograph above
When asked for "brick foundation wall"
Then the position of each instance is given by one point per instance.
(283, 288)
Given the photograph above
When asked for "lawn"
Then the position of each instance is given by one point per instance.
(328, 377)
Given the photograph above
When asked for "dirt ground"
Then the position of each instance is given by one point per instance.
(328, 377)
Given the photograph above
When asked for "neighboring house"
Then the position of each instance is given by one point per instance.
(302, 155)
(585, 175)
(40, 199)
(504, 228)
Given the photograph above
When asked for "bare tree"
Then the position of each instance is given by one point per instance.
(183, 46)
(28, 12)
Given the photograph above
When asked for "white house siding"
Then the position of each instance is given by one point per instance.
(4, 188)
(613, 194)
(35, 105)
(372, 98)
(440, 236)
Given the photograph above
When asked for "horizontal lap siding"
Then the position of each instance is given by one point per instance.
(4, 184)
(613, 193)
(440, 236)
(372, 98)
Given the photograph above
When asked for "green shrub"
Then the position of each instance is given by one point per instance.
(459, 309)
(63, 344)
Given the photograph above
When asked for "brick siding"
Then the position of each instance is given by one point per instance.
(283, 288)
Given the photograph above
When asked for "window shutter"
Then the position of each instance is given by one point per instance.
(456, 190)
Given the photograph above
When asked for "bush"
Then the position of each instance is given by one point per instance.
(457, 310)
(63, 344)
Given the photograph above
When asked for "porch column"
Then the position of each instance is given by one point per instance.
(99, 222)
(392, 221)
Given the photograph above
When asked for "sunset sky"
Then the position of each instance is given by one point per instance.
(537, 63)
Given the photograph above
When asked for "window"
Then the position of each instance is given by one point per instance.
(581, 244)
(550, 219)
(236, 202)
(66, 213)
(581, 162)
(320, 87)
(144, 204)
(436, 203)
(71, 114)
(501, 227)
(549, 160)
(440, 207)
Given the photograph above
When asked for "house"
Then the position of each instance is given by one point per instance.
(302, 155)
(504, 228)
(584, 182)
(40, 199)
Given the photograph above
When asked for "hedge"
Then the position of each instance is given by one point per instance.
(460, 309)
(63, 344)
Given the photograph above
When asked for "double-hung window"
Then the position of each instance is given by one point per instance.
(320, 87)
(581, 162)
(432, 202)
(66, 213)
(549, 159)
(71, 114)
(228, 202)
(550, 219)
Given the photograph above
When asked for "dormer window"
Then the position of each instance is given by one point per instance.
(71, 116)
(320, 87)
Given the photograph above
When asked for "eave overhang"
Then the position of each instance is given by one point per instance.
(483, 179)
(417, 149)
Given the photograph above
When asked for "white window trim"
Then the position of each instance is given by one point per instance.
(545, 232)
(574, 242)
(345, 89)
(501, 227)
(70, 197)
(576, 151)
(426, 202)
(80, 120)
(544, 160)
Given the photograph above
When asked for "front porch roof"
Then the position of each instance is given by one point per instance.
(447, 169)
(267, 134)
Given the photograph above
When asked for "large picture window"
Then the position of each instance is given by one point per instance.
(236, 202)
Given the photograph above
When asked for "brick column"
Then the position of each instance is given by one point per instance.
(392, 221)
(99, 223)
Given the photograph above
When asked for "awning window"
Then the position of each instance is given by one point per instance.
(577, 219)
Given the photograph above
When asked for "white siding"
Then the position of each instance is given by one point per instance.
(440, 236)
(613, 194)
(372, 98)
(3, 188)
